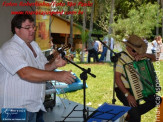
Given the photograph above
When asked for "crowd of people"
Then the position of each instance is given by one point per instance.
(99, 51)
(95, 47)
(99, 48)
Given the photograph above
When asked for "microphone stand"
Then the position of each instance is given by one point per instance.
(114, 59)
(83, 77)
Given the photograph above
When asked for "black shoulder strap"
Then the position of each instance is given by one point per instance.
(127, 55)
(130, 58)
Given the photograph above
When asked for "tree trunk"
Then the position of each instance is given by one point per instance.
(71, 26)
(162, 16)
(110, 28)
(84, 28)
(89, 41)
(91, 21)
(111, 17)
(157, 27)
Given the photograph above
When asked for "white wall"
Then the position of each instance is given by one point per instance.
(6, 17)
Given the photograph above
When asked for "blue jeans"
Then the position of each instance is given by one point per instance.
(103, 54)
(31, 116)
(39, 117)
(35, 116)
(153, 51)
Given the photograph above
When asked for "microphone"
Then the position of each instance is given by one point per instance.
(49, 57)
(59, 50)
(62, 50)
(97, 35)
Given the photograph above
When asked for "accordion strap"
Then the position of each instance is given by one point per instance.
(127, 55)
(126, 63)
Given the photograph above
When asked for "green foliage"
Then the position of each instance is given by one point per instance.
(103, 17)
(130, 16)
(84, 34)
(140, 21)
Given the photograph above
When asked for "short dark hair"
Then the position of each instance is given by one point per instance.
(19, 19)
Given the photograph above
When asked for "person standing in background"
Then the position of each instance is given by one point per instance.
(92, 51)
(110, 43)
(156, 46)
(159, 46)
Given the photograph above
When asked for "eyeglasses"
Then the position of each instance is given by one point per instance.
(30, 27)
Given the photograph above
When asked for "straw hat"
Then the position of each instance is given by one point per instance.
(137, 44)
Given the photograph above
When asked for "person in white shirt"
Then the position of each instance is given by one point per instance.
(110, 43)
(156, 46)
(24, 70)
(96, 45)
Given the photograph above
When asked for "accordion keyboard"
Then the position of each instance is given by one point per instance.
(143, 82)
(134, 82)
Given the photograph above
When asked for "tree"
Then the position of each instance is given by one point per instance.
(83, 31)
(140, 21)
(111, 17)
(91, 21)
(157, 26)
(162, 16)
(71, 26)
(102, 21)
(110, 30)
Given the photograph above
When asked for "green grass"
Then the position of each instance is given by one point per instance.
(100, 89)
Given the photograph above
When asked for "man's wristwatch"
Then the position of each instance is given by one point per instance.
(126, 94)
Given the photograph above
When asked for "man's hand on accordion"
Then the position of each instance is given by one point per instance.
(140, 56)
(146, 55)
(131, 100)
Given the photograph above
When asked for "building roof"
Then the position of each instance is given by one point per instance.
(62, 26)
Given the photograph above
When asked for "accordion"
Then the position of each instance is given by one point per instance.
(143, 83)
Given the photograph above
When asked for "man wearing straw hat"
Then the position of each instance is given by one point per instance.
(135, 50)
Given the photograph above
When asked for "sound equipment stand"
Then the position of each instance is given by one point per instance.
(114, 59)
(83, 77)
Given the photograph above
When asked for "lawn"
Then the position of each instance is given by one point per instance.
(100, 89)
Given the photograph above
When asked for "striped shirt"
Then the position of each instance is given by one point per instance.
(14, 91)
(120, 69)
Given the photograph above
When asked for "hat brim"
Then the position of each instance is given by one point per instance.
(139, 50)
